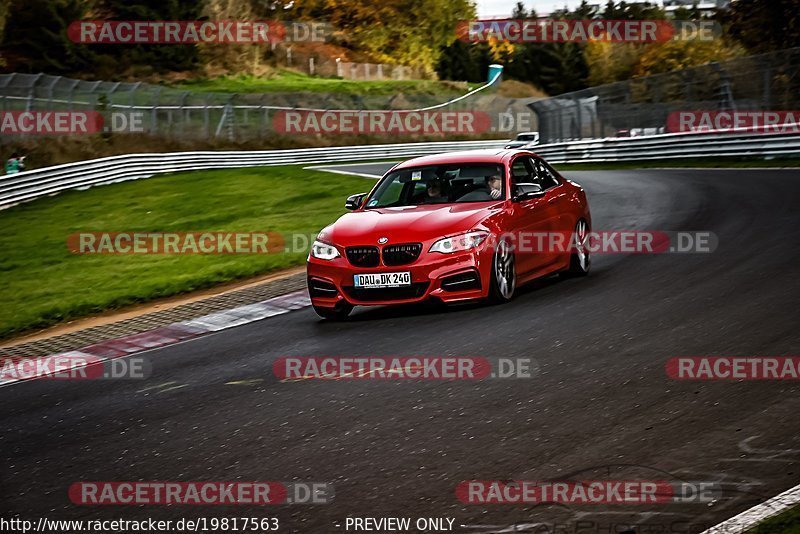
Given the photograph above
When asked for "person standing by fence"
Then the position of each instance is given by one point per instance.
(15, 164)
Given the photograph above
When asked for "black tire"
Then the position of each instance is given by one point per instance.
(339, 313)
(504, 273)
(580, 262)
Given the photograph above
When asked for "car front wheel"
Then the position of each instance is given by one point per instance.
(579, 261)
(504, 273)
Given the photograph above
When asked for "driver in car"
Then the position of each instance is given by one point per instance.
(495, 185)
(434, 191)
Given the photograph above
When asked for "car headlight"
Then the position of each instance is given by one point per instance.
(324, 251)
(459, 243)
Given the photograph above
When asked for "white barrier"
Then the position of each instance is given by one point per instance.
(741, 143)
(41, 182)
(33, 184)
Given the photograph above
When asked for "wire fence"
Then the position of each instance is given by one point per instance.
(642, 106)
(170, 112)
(316, 64)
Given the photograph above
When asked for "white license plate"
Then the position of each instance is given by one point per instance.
(382, 280)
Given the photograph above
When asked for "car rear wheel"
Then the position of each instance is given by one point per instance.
(338, 313)
(579, 261)
(504, 273)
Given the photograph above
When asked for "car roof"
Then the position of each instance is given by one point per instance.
(464, 156)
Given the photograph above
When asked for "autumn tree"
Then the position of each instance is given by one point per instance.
(239, 58)
(408, 32)
(763, 25)
(159, 58)
(35, 38)
(677, 54)
(4, 5)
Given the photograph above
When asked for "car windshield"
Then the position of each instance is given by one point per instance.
(526, 137)
(440, 184)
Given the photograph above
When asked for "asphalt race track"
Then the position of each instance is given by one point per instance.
(601, 407)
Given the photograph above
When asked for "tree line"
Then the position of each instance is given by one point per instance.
(417, 33)
(748, 27)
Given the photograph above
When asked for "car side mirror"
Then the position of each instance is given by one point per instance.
(526, 191)
(353, 202)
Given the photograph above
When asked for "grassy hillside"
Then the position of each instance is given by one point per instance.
(44, 283)
(285, 81)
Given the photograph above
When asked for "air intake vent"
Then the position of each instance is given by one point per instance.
(321, 288)
(462, 281)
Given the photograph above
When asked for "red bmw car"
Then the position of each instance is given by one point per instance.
(449, 227)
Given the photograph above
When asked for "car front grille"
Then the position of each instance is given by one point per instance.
(414, 291)
(363, 256)
(401, 254)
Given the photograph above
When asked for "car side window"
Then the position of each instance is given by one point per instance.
(545, 176)
(522, 170)
(391, 195)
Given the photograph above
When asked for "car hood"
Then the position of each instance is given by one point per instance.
(407, 224)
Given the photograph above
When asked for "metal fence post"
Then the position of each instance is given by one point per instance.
(184, 112)
(206, 119)
(32, 93)
(264, 116)
(154, 111)
(132, 103)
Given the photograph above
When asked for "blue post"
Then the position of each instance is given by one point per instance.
(495, 71)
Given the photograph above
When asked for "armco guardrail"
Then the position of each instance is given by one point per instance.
(37, 183)
(739, 143)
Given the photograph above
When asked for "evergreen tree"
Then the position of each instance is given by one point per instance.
(36, 36)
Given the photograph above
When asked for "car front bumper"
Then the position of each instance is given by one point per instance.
(453, 277)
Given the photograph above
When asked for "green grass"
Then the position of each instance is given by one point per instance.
(291, 82)
(786, 523)
(43, 283)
